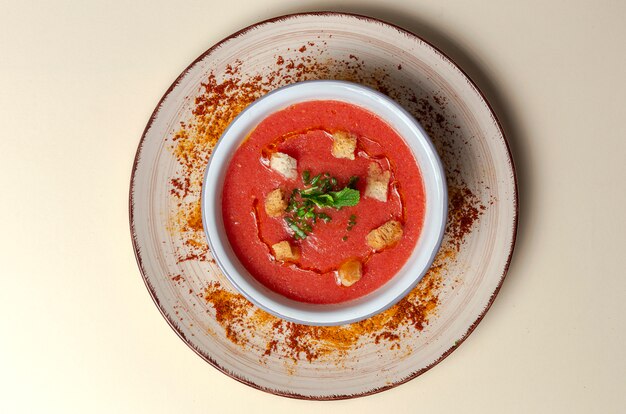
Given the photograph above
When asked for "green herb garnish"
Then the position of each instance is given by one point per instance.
(299, 233)
(324, 217)
(347, 197)
(315, 179)
(320, 192)
(352, 182)
(351, 222)
(333, 199)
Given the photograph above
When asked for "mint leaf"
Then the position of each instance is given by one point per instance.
(347, 197)
(320, 200)
(319, 192)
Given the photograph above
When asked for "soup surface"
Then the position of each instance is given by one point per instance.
(323, 202)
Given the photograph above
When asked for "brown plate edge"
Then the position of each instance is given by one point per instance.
(208, 358)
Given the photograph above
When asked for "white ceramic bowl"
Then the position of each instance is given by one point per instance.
(427, 245)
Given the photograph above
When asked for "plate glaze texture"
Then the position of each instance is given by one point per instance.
(286, 358)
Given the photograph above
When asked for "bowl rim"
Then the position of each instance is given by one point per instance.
(393, 290)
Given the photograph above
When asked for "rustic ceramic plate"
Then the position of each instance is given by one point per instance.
(322, 362)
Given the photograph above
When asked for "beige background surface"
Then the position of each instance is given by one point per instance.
(79, 332)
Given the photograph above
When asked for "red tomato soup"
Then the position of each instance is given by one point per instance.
(323, 202)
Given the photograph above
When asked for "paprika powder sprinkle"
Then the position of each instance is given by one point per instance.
(218, 103)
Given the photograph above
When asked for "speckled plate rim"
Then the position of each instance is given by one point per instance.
(207, 357)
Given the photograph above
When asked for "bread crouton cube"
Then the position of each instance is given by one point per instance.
(275, 203)
(344, 145)
(284, 165)
(350, 272)
(285, 252)
(386, 235)
(377, 182)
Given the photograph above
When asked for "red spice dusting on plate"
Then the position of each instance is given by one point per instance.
(464, 210)
(312, 342)
(180, 186)
(216, 105)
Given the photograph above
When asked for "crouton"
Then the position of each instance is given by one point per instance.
(284, 165)
(349, 272)
(283, 251)
(275, 203)
(344, 145)
(384, 236)
(377, 182)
